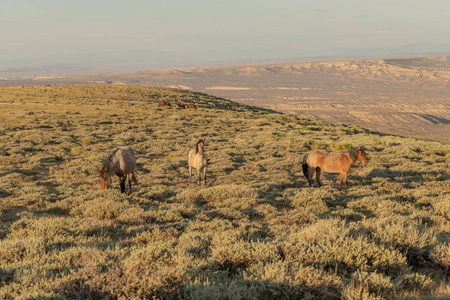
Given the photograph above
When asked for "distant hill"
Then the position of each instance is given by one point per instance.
(135, 60)
(406, 96)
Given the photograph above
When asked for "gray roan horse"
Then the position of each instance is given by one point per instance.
(336, 162)
(197, 159)
(121, 163)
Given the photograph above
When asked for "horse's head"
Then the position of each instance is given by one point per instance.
(362, 156)
(105, 180)
(200, 145)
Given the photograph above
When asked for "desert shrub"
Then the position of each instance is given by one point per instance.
(60, 230)
(311, 200)
(155, 235)
(222, 287)
(441, 255)
(233, 253)
(150, 255)
(358, 292)
(195, 243)
(414, 282)
(266, 281)
(191, 196)
(21, 250)
(319, 146)
(330, 244)
(369, 203)
(166, 215)
(133, 215)
(308, 279)
(100, 208)
(217, 194)
(374, 283)
(340, 147)
(204, 224)
(402, 233)
(77, 150)
(441, 206)
(86, 141)
(388, 208)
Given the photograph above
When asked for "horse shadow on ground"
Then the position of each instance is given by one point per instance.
(407, 176)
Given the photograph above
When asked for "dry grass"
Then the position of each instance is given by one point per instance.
(256, 231)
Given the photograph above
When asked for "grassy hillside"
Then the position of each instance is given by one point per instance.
(256, 231)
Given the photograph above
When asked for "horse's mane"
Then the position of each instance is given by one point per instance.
(353, 154)
(107, 164)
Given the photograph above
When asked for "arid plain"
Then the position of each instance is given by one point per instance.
(256, 230)
(404, 96)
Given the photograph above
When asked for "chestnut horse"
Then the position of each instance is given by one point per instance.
(164, 103)
(120, 163)
(336, 162)
(197, 159)
(192, 105)
(121, 100)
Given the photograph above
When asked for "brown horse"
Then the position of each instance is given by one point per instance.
(120, 163)
(121, 100)
(181, 105)
(191, 105)
(164, 103)
(197, 159)
(336, 162)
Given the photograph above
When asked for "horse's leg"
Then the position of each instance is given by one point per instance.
(310, 173)
(204, 174)
(190, 172)
(122, 183)
(345, 180)
(129, 183)
(318, 176)
(199, 176)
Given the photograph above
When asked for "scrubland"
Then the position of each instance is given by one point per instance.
(255, 231)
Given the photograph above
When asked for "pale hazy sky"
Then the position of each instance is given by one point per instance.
(36, 28)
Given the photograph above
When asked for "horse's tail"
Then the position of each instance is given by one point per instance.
(305, 167)
(134, 178)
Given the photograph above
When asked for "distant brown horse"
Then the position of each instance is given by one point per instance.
(181, 105)
(191, 105)
(120, 163)
(121, 100)
(336, 162)
(197, 159)
(164, 103)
